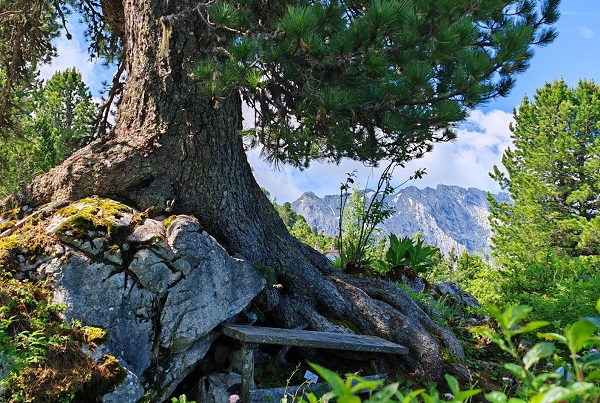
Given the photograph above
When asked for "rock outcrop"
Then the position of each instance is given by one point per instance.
(158, 288)
(449, 217)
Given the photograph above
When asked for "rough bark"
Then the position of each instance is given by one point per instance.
(171, 143)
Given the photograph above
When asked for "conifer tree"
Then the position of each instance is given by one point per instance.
(551, 173)
(328, 80)
(546, 244)
(56, 120)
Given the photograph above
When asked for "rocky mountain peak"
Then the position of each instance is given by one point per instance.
(449, 217)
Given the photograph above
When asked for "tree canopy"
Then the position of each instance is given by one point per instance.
(56, 119)
(328, 79)
(552, 175)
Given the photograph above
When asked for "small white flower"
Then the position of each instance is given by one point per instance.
(507, 379)
(448, 396)
(576, 356)
(593, 350)
(234, 399)
(550, 365)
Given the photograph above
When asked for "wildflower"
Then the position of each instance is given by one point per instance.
(576, 356)
(448, 396)
(550, 365)
(507, 379)
(234, 399)
(593, 350)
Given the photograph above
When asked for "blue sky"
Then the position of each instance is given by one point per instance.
(465, 162)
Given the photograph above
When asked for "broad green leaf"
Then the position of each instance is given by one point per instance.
(553, 336)
(453, 383)
(362, 384)
(530, 327)
(496, 397)
(593, 376)
(516, 370)
(593, 320)
(349, 399)
(514, 314)
(427, 399)
(578, 333)
(560, 393)
(537, 352)
(384, 394)
(598, 305)
(412, 395)
(540, 379)
(465, 394)
(312, 398)
(336, 383)
(590, 360)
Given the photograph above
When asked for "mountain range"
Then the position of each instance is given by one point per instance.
(449, 217)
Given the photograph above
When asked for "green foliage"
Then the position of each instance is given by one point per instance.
(181, 399)
(552, 176)
(348, 391)
(407, 252)
(42, 353)
(545, 243)
(360, 217)
(58, 119)
(26, 35)
(300, 229)
(472, 273)
(369, 81)
(579, 381)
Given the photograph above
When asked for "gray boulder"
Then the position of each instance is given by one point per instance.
(158, 292)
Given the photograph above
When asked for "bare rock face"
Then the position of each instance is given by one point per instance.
(158, 291)
(448, 217)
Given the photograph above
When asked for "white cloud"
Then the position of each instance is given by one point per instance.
(464, 162)
(74, 53)
(71, 53)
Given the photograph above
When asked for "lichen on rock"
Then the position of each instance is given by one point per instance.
(147, 297)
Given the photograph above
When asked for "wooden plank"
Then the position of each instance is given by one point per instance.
(275, 394)
(307, 338)
(247, 370)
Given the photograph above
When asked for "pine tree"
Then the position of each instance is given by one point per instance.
(329, 80)
(56, 120)
(547, 243)
(552, 175)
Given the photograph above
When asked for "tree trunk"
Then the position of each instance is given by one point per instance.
(172, 143)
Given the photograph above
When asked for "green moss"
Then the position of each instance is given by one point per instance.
(109, 374)
(91, 214)
(31, 239)
(348, 325)
(43, 354)
(6, 225)
(137, 220)
(169, 220)
(11, 209)
(95, 335)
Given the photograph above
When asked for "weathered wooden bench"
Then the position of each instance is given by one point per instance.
(252, 336)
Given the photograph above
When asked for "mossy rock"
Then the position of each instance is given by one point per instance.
(95, 335)
(92, 214)
(49, 364)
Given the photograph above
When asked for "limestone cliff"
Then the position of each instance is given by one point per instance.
(447, 217)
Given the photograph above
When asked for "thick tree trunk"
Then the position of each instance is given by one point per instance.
(171, 143)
